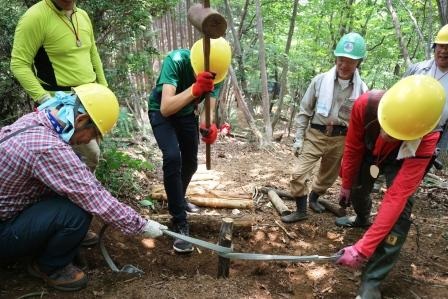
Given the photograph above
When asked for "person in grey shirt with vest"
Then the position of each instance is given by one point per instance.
(322, 124)
(437, 67)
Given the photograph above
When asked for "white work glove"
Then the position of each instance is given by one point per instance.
(297, 146)
(153, 229)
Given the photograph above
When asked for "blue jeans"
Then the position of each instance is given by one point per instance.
(50, 231)
(178, 139)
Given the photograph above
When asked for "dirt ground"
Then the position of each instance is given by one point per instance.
(421, 272)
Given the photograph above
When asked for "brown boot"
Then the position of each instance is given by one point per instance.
(69, 278)
(90, 239)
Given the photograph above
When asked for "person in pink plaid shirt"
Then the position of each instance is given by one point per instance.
(48, 196)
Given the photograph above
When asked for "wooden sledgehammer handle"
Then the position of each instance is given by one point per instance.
(212, 25)
(206, 49)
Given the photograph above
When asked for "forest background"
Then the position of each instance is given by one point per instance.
(278, 46)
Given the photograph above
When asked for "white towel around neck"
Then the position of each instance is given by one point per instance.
(408, 148)
(326, 88)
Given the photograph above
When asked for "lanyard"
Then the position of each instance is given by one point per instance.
(54, 122)
(72, 28)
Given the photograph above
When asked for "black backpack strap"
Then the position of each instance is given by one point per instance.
(18, 132)
(371, 124)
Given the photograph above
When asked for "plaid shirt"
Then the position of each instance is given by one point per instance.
(35, 162)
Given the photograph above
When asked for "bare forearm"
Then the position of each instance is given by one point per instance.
(171, 102)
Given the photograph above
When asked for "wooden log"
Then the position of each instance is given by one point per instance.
(211, 198)
(210, 223)
(235, 135)
(159, 190)
(222, 203)
(332, 207)
(225, 239)
(280, 193)
(207, 20)
(217, 203)
(279, 205)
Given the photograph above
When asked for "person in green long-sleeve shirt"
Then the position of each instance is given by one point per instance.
(54, 50)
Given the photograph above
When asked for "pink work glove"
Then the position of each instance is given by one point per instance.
(208, 134)
(225, 129)
(351, 257)
(344, 198)
(204, 83)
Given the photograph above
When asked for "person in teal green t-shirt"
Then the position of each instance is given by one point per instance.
(181, 86)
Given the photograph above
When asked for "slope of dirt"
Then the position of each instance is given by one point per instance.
(421, 272)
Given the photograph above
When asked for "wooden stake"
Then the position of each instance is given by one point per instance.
(225, 239)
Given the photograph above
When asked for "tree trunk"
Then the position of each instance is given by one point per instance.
(264, 76)
(173, 29)
(243, 106)
(243, 18)
(189, 27)
(284, 75)
(417, 28)
(443, 11)
(346, 17)
(396, 22)
(168, 32)
(181, 26)
(238, 53)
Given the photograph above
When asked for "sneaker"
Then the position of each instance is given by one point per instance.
(181, 246)
(69, 278)
(90, 239)
(191, 208)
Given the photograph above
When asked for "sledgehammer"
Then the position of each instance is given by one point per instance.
(212, 25)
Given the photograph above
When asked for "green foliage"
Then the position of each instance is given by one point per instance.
(123, 31)
(127, 40)
(117, 170)
(12, 97)
(147, 203)
(125, 125)
(318, 27)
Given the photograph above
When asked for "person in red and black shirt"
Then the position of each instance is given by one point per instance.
(390, 133)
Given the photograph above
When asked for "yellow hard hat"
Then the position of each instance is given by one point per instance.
(101, 105)
(442, 36)
(412, 107)
(220, 57)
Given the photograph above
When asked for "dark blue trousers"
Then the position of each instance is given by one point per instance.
(50, 230)
(178, 139)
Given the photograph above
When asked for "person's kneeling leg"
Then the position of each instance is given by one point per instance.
(51, 231)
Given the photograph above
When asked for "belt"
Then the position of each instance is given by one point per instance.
(331, 131)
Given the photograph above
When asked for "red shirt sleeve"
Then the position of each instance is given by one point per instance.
(354, 142)
(404, 185)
